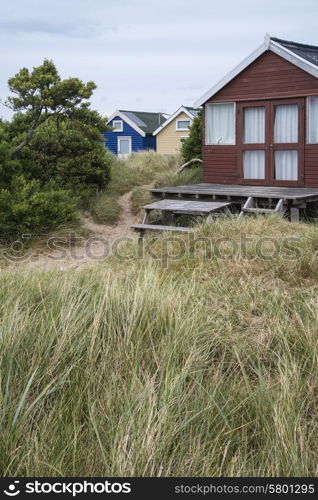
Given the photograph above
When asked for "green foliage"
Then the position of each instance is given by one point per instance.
(61, 153)
(27, 207)
(192, 146)
(69, 152)
(42, 94)
(43, 88)
(8, 166)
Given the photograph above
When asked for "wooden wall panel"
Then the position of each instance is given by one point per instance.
(220, 165)
(311, 166)
(270, 76)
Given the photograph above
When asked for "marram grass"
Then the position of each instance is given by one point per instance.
(207, 367)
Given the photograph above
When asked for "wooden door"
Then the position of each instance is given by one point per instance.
(287, 142)
(271, 142)
(253, 133)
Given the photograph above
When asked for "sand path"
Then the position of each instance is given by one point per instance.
(102, 241)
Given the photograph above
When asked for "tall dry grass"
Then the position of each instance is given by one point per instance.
(140, 169)
(205, 367)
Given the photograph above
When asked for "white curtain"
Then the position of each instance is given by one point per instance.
(254, 164)
(312, 120)
(254, 125)
(286, 165)
(286, 123)
(219, 124)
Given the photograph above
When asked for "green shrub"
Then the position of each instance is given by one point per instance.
(8, 166)
(192, 146)
(28, 207)
(52, 151)
(74, 156)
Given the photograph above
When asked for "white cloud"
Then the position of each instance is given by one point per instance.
(145, 54)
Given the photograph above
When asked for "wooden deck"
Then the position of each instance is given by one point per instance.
(237, 193)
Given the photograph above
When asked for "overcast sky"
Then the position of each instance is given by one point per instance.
(148, 55)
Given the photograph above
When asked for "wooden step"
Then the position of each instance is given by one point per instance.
(249, 208)
(153, 227)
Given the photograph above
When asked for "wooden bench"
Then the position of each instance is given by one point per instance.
(186, 207)
(177, 207)
(155, 227)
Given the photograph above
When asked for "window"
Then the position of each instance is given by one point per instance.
(117, 126)
(254, 164)
(183, 125)
(286, 165)
(286, 123)
(312, 120)
(123, 146)
(220, 123)
(254, 125)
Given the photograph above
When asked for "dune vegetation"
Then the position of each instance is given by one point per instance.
(140, 169)
(197, 360)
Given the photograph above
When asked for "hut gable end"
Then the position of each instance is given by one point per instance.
(268, 77)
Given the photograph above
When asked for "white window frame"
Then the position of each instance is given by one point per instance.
(307, 120)
(234, 123)
(124, 138)
(183, 129)
(121, 125)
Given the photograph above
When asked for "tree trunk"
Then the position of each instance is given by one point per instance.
(29, 135)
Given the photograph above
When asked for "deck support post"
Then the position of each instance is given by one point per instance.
(209, 218)
(294, 214)
(146, 217)
(141, 235)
